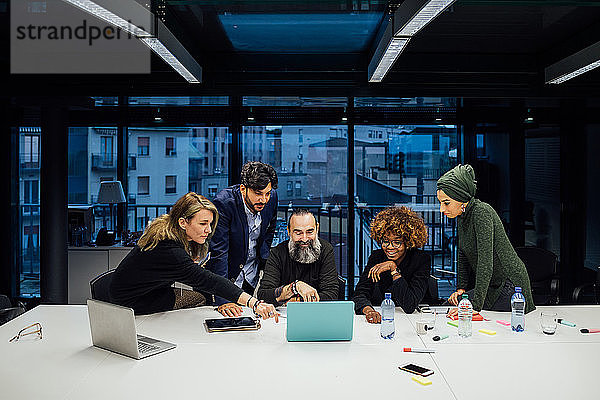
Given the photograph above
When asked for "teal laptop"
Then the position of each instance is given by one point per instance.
(320, 321)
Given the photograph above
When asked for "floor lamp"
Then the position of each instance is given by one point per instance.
(111, 193)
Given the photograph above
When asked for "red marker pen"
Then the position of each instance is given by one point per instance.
(411, 350)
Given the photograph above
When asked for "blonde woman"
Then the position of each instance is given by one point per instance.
(166, 253)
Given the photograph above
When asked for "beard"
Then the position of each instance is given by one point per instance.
(252, 206)
(305, 255)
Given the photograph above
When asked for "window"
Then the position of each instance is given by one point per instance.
(30, 151)
(106, 151)
(290, 188)
(298, 188)
(143, 185)
(170, 147)
(183, 159)
(28, 257)
(31, 190)
(143, 146)
(401, 165)
(212, 191)
(481, 152)
(170, 184)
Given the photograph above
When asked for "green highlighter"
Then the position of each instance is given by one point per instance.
(452, 323)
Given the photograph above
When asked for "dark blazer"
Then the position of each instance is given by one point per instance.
(229, 244)
(407, 291)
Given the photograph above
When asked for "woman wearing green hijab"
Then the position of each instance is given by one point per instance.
(486, 258)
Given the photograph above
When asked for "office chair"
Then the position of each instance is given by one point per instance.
(542, 267)
(588, 292)
(341, 288)
(7, 311)
(99, 286)
(432, 294)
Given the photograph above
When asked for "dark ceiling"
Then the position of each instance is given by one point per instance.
(474, 49)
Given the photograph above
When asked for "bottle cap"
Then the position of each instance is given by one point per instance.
(388, 296)
(517, 289)
(465, 296)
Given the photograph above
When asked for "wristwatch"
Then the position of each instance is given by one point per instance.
(395, 273)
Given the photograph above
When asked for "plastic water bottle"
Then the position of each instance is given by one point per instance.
(387, 317)
(517, 305)
(465, 316)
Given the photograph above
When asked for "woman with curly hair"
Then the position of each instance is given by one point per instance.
(399, 267)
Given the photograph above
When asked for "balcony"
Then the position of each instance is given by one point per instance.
(29, 161)
(104, 162)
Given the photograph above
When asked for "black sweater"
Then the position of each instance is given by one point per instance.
(407, 291)
(143, 279)
(281, 269)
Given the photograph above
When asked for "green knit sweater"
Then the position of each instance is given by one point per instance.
(486, 253)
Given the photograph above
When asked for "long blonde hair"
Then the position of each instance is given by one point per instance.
(166, 226)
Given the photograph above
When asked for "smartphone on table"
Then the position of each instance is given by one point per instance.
(417, 370)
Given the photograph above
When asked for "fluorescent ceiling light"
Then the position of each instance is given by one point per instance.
(428, 12)
(159, 48)
(108, 17)
(574, 65)
(408, 19)
(389, 57)
(573, 74)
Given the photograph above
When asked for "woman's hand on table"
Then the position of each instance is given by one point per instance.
(372, 316)
(230, 310)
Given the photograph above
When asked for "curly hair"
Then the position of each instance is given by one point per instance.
(256, 175)
(402, 222)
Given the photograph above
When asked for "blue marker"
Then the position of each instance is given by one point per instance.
(567, 323)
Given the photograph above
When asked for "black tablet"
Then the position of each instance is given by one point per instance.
(231, 324)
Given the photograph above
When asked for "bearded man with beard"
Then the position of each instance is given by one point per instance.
(301, 268)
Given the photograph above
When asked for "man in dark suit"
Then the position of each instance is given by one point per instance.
(244, 233)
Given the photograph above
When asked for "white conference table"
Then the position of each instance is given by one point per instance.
(64, 364)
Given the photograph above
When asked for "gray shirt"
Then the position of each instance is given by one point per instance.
(250, 271)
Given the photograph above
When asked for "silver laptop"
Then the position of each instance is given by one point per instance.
(113, 329)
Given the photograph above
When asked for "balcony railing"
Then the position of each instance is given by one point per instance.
(29, 160)
(333, 219)
(104, 161)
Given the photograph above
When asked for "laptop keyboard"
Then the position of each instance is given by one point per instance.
(145, 347)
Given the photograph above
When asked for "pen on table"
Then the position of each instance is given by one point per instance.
(585, 330)
(567, 323)
(411, 350)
